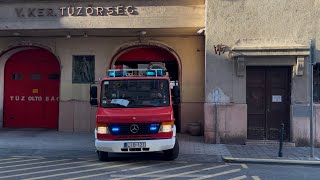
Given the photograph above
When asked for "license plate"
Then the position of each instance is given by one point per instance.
(135, 145)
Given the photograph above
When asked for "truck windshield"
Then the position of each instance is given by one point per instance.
(135, 93)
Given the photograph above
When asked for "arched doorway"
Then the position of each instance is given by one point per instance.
(138, 57)
(31, 90)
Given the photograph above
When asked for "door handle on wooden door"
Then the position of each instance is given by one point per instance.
(268, 109)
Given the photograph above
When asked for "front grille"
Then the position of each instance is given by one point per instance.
(143, 128)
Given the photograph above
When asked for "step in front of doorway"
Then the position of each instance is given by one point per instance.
(269, 142)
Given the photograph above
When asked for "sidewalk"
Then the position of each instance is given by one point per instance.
(192, 148)
(269, 154)
(250, 153)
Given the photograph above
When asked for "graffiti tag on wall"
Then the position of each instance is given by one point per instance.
(220, 49)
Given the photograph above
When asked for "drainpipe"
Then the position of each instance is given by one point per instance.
(311, 43)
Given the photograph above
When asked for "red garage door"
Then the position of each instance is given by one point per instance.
(31, 90)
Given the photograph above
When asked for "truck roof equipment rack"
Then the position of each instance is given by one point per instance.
(136, 72)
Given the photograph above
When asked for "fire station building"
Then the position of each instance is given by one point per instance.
(242, 66)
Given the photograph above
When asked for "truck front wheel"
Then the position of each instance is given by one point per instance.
(172, 154)
(102, 156)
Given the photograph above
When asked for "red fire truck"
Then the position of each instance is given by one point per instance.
(134, 113)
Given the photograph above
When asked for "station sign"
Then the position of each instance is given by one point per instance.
(65, 11)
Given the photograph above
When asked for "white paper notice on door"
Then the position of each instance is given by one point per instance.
(276, 98)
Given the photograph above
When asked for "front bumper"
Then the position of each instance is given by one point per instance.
(151, 145)
(117, 146)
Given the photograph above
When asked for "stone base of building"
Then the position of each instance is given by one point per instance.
(76, 116)
(300, 124)
(225, 124)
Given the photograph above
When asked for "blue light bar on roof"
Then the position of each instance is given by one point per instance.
(117, 73)
(157, 72)
(150, 73)
(111, 74)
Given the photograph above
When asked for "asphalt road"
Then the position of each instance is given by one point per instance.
(84, 165)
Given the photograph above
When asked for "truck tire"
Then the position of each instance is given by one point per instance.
(172, 154)
(102, 156)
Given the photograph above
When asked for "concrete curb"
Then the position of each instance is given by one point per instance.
(270, 161)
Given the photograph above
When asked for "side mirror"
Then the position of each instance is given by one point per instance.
(93, 95)
(93, 92)
(176, 94)
(94, 102)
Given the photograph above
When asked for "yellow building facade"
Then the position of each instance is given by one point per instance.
(242, 66)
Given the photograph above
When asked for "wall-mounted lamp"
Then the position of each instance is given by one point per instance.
(201, 31)
(143, 33)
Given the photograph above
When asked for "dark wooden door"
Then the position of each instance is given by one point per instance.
(268, 101)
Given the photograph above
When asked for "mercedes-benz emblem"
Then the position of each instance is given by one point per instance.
(134, 128)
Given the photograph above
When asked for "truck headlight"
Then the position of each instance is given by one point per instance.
(103, 130)
(166, 127)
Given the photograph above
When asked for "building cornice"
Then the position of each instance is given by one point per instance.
(287, 50)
